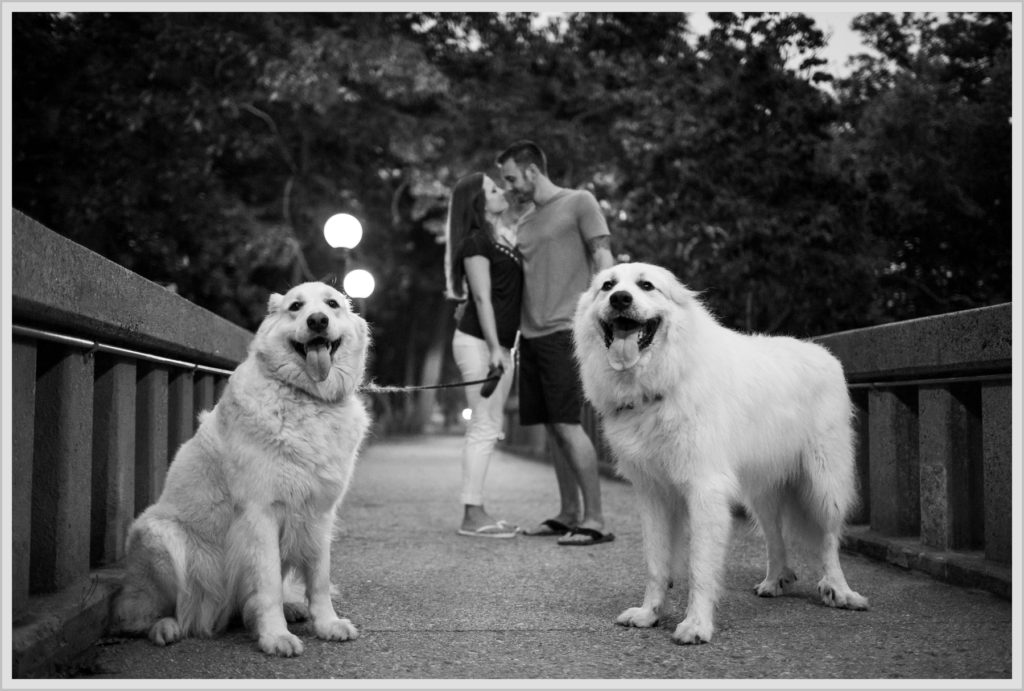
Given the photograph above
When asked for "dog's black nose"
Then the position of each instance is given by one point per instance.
(621, 299)
(317, 321)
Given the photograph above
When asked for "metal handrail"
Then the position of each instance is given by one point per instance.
(896, 383)
(96, 346)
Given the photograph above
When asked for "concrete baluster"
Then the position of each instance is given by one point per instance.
(61, 471)
(151, 435)
(997, 435)
(948, 455)
(894, 474)
(181, 410)
(113, 457)
(203, 392)
(23, 406)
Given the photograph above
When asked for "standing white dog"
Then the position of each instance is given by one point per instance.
(699, 416)
(251, 497)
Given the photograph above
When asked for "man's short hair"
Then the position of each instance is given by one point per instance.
(524, 152)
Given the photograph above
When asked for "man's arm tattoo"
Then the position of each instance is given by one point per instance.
(602, 242)
(601, 251)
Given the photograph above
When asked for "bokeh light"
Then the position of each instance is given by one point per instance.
(343, 230)
(358, 283)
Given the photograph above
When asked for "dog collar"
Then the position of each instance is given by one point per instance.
(646, 400)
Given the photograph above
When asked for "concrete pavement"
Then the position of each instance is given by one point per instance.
(434, 605)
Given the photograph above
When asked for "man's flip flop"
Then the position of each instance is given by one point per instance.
(548, 528)
(584, 537)
(499, 529)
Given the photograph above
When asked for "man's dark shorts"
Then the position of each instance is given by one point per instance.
(549, 383)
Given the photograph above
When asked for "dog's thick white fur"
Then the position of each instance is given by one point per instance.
(699, 416)
(251, 498)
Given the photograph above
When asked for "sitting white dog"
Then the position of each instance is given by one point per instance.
(698, 417)
(252, 496)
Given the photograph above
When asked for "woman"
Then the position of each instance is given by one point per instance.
(484, 269)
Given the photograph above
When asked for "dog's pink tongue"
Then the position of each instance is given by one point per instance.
(624, 352)
(318, 361)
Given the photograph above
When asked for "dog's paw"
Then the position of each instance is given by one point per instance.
(842, 599)
(776, 586)
(295, 611)
(336, 630)
(693, 630)
(641, 617)
(281, 644)
(165, 631)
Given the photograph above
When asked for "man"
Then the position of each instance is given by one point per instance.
(564, 241)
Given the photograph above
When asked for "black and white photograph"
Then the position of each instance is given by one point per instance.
(511, 345)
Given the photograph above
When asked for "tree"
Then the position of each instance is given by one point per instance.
(927, 142)
(721, 175)
(206, 150)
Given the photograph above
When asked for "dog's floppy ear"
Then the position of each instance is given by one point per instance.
(588, 296)
(274, 303)
(675, 289)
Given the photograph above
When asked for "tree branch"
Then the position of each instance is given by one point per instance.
(395, 197)
(249, 108)
(286, 201)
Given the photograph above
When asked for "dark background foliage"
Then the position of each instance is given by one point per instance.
(205, 151)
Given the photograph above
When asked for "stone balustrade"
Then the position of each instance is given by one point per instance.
(934, 426)
(109, 371)
(934, 418)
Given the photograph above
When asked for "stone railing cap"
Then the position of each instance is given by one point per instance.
(966, 342)
(62, 286)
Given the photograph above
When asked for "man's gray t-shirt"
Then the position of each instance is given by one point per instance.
(557, 262)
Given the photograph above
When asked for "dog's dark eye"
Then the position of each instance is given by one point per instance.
(333, 304)
(607, 285)
(295, 306)
(646, 285)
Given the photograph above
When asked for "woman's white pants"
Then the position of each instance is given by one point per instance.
(485, 426)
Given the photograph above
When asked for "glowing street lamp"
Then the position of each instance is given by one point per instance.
(358, 284)
(343, 231)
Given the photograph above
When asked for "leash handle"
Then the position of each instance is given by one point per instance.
(493, 375)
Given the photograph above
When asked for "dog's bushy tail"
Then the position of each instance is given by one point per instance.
(826, 492)
(155, 571)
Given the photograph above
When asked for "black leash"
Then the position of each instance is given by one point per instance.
(493, 375)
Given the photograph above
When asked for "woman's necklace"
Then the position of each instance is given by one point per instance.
(506, 235)
(504, 230)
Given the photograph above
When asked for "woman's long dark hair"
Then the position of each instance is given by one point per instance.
(465, 217)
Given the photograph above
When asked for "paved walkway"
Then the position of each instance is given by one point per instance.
(433, 605)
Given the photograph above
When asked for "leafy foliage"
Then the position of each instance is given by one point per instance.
(929, 151)
(206, 150)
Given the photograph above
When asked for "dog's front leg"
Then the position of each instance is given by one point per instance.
(710, 524)
(656, 517)
(317, 571)
(255, 556)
